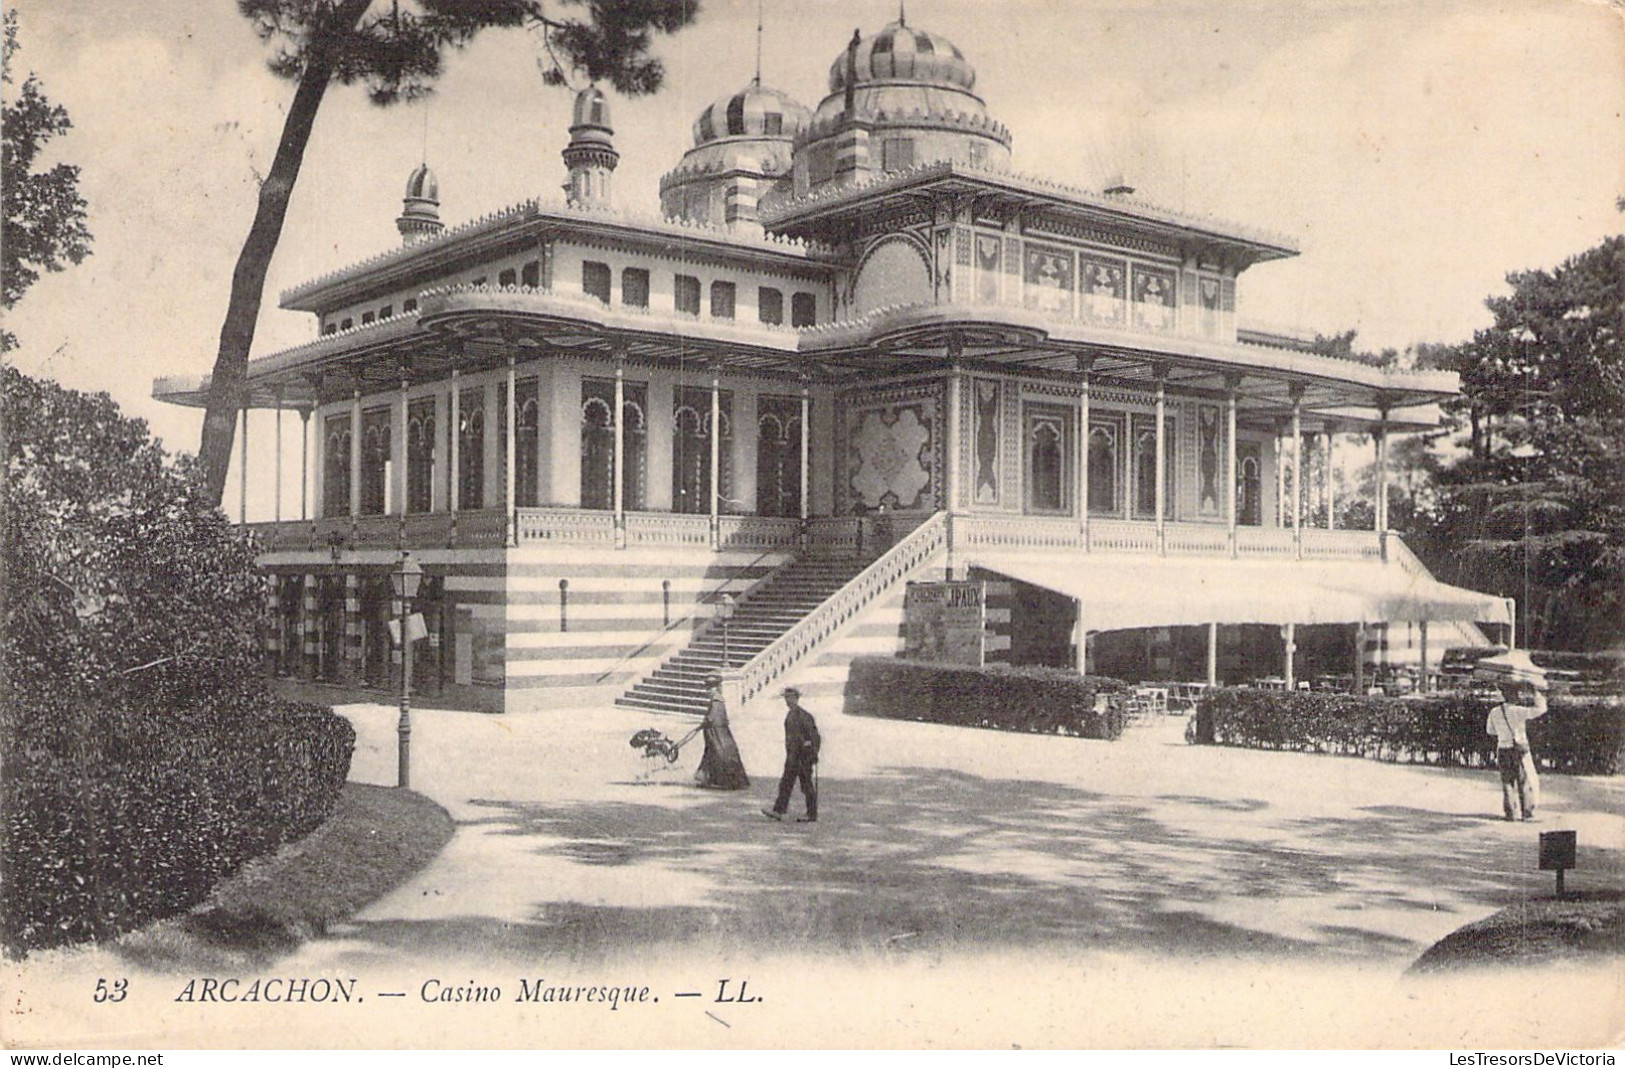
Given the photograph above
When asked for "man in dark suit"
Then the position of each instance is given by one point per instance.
(801, 744)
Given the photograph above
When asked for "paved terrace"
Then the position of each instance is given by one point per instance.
(964, 887)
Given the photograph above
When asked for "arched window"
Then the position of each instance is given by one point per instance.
(1249, 484)
(634, 445)
(778, 456)
(691, 451)
(420, 430)
(375, 462)
(1103, 466)
(1145, 467)
(471, 450)
(597, 446)
(336, 467)
(527, 414)
(1047, 460)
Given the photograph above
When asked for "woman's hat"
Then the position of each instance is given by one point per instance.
(1512, 666)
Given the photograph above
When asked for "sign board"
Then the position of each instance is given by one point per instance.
(416, 629)
(945, 622)
(1557, 849)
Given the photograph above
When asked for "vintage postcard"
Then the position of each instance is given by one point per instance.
(913, 525)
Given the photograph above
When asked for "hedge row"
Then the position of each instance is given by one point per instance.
(145, 811)
(1583, 736)
(1033, 700)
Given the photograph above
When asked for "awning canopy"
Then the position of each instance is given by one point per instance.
(1118, 592)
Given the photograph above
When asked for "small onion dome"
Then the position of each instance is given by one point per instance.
(901, 53)
(422, 185)
(420, 208)
(589, 122)
(754, 111)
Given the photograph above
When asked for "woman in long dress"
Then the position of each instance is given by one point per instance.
(720, 765)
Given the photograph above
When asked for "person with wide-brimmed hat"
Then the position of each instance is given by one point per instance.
(721, 767)
(1523, 698)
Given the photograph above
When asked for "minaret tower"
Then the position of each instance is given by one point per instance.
(420, 209)
(590, 156)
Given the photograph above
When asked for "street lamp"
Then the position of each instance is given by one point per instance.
(405, 580)
(727, 614)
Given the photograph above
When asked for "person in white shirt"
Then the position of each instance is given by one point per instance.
(1508, 721)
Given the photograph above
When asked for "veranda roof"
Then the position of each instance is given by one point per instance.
(1119, 592)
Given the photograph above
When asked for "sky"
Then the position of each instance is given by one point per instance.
(1417, 150)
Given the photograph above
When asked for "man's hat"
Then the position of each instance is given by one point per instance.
(713, 678)
(789, 691)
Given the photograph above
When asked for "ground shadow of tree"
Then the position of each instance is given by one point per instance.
(925, 859)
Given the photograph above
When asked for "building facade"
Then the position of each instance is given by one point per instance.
(855, 348)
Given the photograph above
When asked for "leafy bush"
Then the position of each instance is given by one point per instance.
(1577, 735)
(144, 758)
(1033, 700)
(122, 580)
(141, 813)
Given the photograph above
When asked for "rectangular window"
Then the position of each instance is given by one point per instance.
(366, 317)
(411, 305)
(722, 300)
(803, 309)
(686, 292)
(595, 280)
(387, 311)
(377, 458)
(347, 323)
(821, 164)
(896, 154)
(508, 277)
(420, 442)
(770, 306)
(531, 274)
(336, 466)
(330, 328)
(635, 287)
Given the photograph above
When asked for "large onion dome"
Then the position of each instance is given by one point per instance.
(754, 111)
(901, 53)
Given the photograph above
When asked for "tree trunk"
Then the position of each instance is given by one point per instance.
(228, 384)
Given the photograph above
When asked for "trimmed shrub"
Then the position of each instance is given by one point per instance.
(1584, 736)
(1033, 700)
(134, 815)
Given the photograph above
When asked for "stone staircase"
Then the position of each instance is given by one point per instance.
(770, 609)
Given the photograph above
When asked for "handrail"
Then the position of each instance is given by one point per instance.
(709, 598)
(896, 564)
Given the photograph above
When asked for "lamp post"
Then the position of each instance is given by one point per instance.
(727, 614)
(405, 579)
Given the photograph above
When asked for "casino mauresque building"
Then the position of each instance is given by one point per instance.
(854, 349)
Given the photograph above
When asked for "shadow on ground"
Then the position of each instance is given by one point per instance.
(926, 859)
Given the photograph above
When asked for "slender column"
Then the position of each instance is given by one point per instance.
(1232, 389)
(1086, 366)
(806, 431)
(454, 432)
(399, 449)
(1359, 659)
(511, 475)
(355, 453)
(304, 463)
(1291, 649)
(1212, 654)
(1327, 493)
(715, 441)
(1422, 631)
(1162, 464)
(1280, 475)
(242, 471)
(950, 497)
(276, 505)
(1381, 503)
(1297, 470)
(1080, 637)
(617, 474)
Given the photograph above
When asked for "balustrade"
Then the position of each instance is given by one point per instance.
(880, 577)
